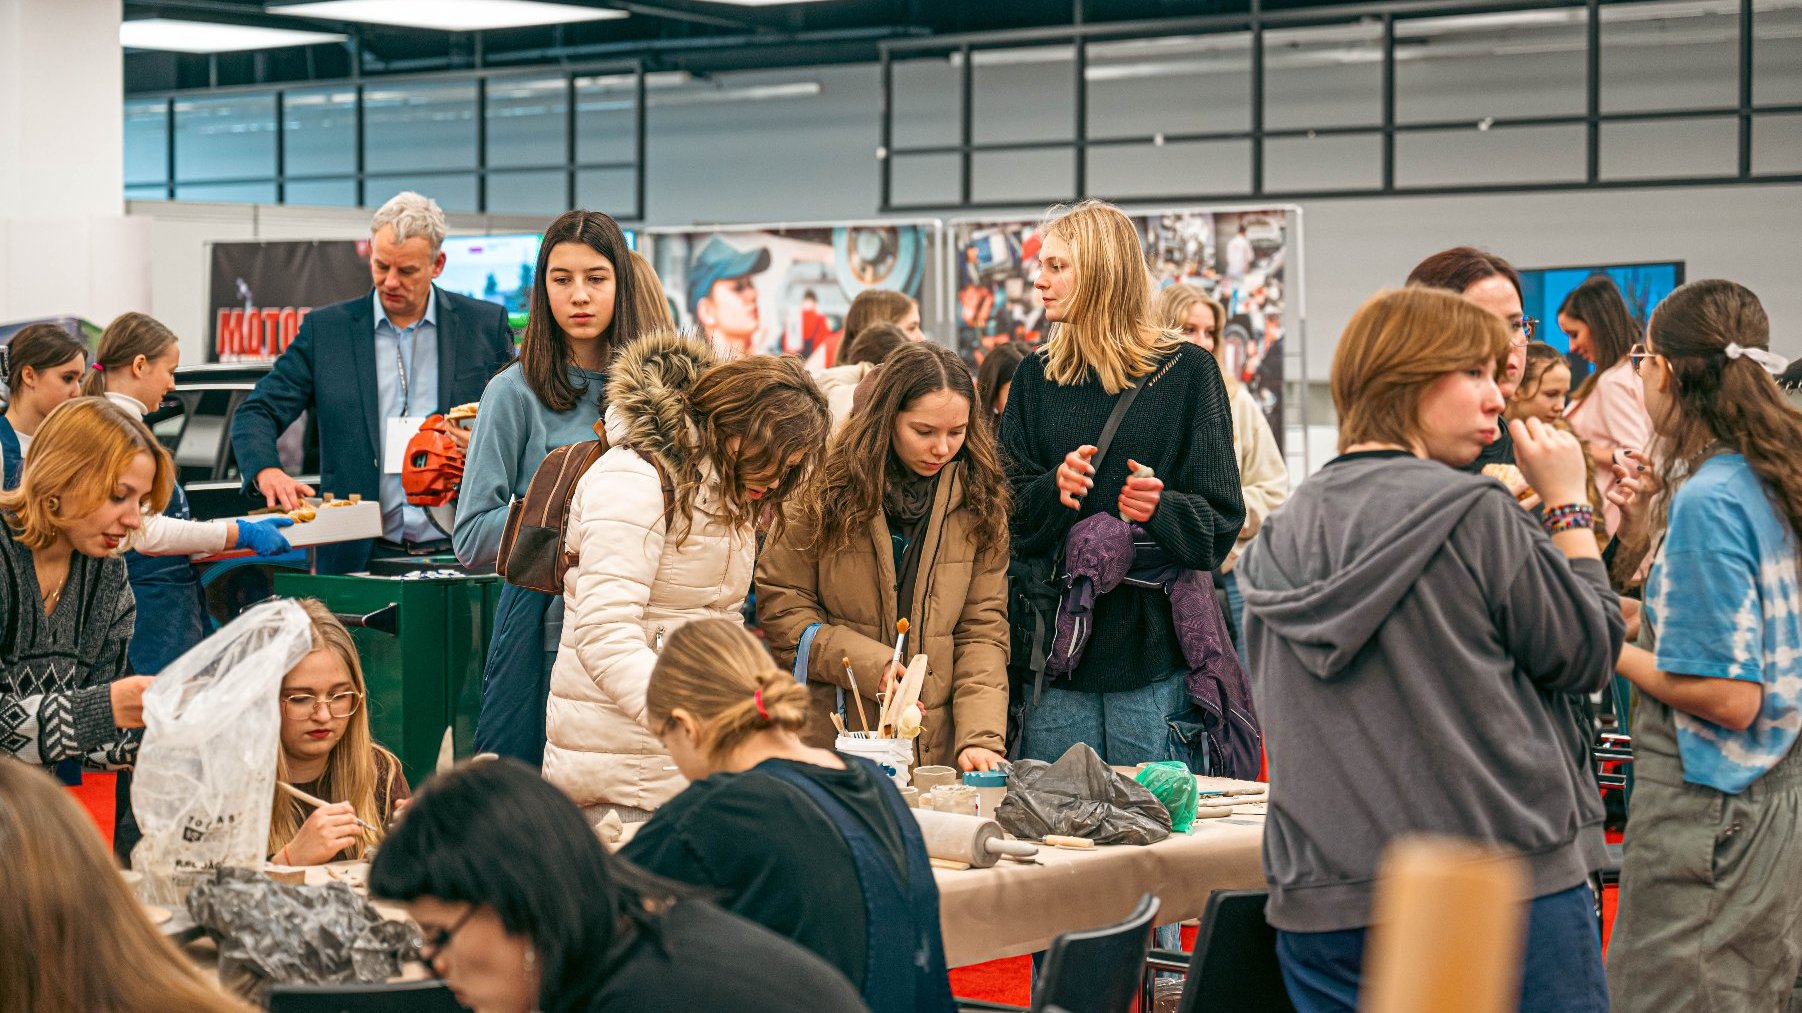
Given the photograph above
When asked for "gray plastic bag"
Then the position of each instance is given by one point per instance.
(1080, 796)
(311, 935)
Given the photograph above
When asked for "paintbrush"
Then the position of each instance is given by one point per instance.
(317, 803)
(838, 721)
(883, 717)
(856, 696)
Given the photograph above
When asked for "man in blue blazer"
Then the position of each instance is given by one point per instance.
(370, 370)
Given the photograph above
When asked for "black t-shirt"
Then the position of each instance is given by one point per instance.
(772, 856)
(706, 960)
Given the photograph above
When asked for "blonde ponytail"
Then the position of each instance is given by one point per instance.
(720, 674)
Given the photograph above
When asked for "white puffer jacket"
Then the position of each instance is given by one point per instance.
(632, 585)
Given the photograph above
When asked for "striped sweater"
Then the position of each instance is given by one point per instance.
(56, 671)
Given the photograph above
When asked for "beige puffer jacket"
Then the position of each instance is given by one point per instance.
(632, 586)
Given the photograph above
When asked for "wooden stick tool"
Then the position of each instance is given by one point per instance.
(317, 803)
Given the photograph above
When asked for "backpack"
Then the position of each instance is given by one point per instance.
(534, 548)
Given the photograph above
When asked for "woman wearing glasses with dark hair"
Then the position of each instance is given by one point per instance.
(522, 909)
(1494, 284)
(326, 752)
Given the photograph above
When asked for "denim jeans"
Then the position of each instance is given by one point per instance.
(1235, 607)
(1562, 972)
(1126, 728)
(516, 679)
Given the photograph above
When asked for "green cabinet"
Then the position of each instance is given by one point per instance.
(426, 676)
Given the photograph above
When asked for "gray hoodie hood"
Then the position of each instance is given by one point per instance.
(1325, 582)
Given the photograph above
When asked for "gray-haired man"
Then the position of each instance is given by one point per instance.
(370, 370)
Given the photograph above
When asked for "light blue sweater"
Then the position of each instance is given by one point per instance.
(513, 432)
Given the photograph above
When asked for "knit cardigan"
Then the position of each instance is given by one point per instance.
(56, 671)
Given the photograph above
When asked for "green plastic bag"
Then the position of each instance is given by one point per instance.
(1174, 785)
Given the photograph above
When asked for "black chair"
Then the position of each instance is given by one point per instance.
(395, 997)
(1092, 971)
(1234, 965)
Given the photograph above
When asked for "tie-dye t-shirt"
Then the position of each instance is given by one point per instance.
(1722, 599)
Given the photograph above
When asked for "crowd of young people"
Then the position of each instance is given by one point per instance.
(1421, 639)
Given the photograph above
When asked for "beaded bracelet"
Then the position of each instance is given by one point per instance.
(1569, 517)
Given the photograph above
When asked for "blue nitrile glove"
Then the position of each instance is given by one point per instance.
(262, 537)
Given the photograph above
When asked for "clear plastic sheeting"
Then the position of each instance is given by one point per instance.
(205, 778)
(1080, 796)
(298, 935)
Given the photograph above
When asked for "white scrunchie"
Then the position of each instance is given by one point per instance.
(1772, 362)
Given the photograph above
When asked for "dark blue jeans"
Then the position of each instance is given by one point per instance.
(1562, 972)
(516, 679)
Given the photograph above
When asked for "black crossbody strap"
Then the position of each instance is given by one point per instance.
(1113, 420)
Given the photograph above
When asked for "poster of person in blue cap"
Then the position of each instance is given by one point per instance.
(784, 291)
(722, 294)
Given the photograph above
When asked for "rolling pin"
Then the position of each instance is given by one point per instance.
(974, 840)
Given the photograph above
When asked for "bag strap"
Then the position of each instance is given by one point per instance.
(1113, 420)
(1040, 647)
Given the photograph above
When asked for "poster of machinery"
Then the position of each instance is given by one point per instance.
(1239, 257)
(785, 289)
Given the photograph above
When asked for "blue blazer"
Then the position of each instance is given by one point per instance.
(330, 371)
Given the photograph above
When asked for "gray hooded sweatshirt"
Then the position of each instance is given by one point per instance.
(1416, 645)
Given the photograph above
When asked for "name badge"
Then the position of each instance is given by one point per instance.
(394, 444)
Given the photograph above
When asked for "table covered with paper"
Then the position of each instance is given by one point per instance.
(1015, 908)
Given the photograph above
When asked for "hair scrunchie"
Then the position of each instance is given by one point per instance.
(1772, 362)
(757, 698)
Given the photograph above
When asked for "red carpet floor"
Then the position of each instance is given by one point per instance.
(1007, 981)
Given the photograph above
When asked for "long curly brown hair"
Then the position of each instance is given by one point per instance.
(1716, 400)
(859, 457)
(772, 407)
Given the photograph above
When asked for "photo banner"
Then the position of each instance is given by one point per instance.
(785, 289)
(1237, 257)
(258, 293)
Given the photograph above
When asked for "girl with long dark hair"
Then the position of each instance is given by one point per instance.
(585, 306)
(1607, 409)
(910, 522)
(1711, 891)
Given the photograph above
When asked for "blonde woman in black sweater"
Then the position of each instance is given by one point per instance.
(1096, 291)
(66, 692)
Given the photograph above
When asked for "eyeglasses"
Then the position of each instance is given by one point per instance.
(341, 705)
(437, 941)
(1526, 328)
(1638, 354)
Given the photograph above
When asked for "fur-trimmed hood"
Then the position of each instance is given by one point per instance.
(647, 394)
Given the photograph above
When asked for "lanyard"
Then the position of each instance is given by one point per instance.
(400, 362)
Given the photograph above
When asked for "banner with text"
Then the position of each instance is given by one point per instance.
(259, 292)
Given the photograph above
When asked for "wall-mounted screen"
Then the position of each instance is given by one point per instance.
(1642, 285)
(496, 269)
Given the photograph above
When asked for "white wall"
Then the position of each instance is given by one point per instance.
(65, 246)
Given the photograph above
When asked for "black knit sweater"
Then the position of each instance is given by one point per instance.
(1182, 426)
(56, 671)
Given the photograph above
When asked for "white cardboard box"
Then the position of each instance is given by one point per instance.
(347, 522)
